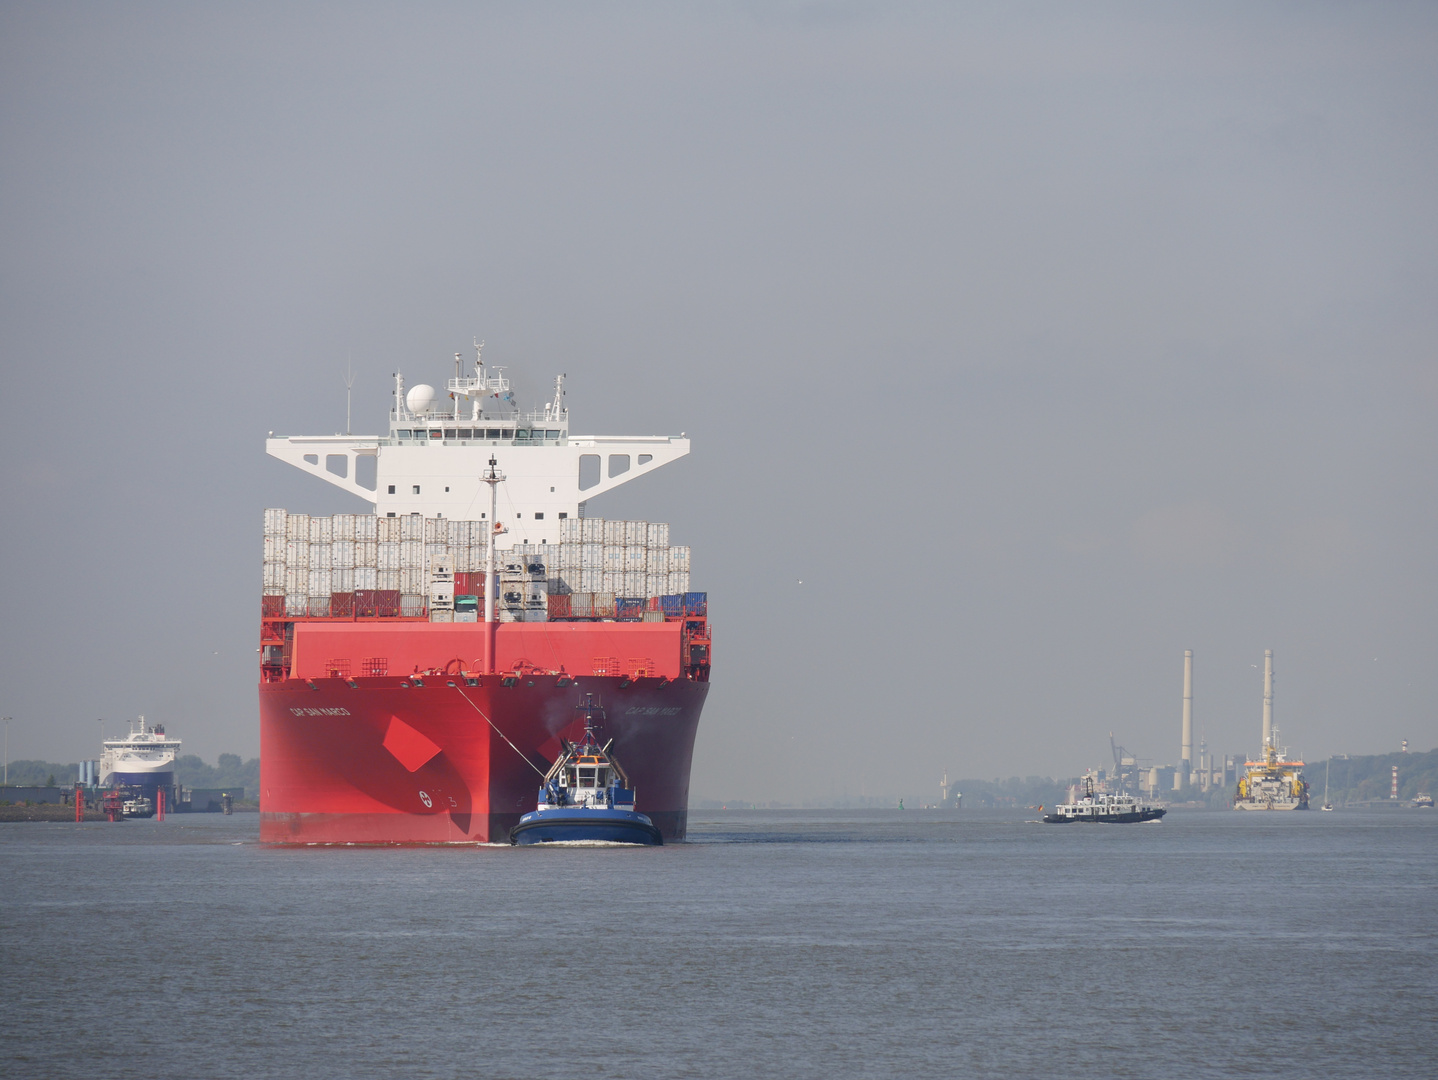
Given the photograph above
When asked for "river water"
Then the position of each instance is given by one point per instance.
(784, 943)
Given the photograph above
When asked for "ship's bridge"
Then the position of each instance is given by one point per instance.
(430, 461)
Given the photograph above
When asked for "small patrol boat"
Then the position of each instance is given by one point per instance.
(586, 797)
(1104, 808)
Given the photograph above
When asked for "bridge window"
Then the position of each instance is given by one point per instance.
(391, 491)
(493, 433)
(539, 517)
(435, 433)
(449, 433)
(551, 434)
(465, 433)
(404, 433)
(588, 471)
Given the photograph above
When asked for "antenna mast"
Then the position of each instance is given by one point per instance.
(493, 477)
(349, 388)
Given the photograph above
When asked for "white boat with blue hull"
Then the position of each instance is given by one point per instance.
(142, 762)
(586, 797)
(1103, 808)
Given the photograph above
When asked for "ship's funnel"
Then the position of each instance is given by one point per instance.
(1267, 699)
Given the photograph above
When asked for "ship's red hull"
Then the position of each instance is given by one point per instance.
(458, 756)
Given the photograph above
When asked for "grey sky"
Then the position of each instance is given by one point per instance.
(1041, 342)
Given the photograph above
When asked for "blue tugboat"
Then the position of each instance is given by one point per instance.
(586, 796)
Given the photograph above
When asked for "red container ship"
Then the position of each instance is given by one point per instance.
(420, 664)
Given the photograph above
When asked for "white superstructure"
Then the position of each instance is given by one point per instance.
(440, 442)
(1104, 807)
(145, 757)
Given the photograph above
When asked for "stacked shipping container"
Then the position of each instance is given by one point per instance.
(353, 565)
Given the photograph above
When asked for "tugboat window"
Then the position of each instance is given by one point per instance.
(586, 777)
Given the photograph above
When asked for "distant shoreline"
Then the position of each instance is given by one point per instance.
(64, 812)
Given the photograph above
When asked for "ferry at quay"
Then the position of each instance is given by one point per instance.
(420, 664)
(142, 761)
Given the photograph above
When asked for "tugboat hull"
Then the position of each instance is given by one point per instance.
(585, 825)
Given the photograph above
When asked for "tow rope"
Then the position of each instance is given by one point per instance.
(502, 735)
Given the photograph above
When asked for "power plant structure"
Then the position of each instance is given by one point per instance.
(1198, 771)
(1183, 778)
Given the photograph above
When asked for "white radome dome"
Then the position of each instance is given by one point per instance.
(419, 399)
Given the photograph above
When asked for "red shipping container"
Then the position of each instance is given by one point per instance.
(376, 603)
(559, 606)
(469, 584)
(272, 607)
(342, 605)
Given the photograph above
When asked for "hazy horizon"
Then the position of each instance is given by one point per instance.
(1039, 343)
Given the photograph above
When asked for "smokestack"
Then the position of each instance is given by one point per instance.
(1267, 699)
(1185, 755)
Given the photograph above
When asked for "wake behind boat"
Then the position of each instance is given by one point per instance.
(1104, 808)
(586, 797)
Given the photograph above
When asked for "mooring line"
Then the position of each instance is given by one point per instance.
(502, 735)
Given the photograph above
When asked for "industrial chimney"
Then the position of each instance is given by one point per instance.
(1267, 700)
(1185, 755)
